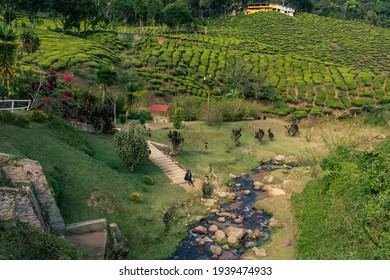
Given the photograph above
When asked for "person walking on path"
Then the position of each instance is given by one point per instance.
(188, 178)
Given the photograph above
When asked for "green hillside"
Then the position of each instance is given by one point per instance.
(309, 60)
(90, 181)
(310, 64)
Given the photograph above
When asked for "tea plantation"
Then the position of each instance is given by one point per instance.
(312, 64)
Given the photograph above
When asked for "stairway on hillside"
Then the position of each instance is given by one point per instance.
(170, 168)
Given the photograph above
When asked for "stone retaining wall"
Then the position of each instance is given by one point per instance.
(30, 194)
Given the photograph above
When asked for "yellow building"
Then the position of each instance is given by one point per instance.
(267, 7)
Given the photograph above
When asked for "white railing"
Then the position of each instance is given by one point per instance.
(13, 104)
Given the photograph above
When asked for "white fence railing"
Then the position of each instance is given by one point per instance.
(13, 104)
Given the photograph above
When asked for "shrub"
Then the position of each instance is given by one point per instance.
(300, 114)
(131, 146)
(136, 197)
(148, 180)
(21, 241)
(378, 116)
(315, 111)
(17, 119)
(207, 189)
(39, 116)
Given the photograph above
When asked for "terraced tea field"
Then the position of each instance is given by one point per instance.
(313, 62)
(63, 51)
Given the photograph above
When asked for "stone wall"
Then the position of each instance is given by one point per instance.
(15, 202)
(30, 198)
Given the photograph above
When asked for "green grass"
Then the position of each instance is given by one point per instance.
(97, 186)
(344, 213)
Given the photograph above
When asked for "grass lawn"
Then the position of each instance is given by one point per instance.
(313, 141)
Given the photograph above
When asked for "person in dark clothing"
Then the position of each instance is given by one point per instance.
(188, 178)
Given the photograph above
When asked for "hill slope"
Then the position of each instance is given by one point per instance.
(308, 60)
(90, 182)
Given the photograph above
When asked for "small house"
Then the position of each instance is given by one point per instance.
(160, 113)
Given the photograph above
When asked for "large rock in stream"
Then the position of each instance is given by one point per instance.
(235, 231)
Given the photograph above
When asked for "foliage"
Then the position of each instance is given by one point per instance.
(30, 40)
(176, 141)
(39, 116)
(207, 189)
(236, 135)
(107, 77)
(136, 197)
(17, 119)
(148, 180)
(378, 117)
(8, 54)
(177, 120)
(177, 14)
(21, 241)
(344, 213)
(131, 146)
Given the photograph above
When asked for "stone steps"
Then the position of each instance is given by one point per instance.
(171, 169)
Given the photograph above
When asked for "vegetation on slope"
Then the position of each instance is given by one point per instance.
(21, 241)
(90, 181)
(336, 65)
(345, 213)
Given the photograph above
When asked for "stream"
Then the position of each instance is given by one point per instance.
(238, 214)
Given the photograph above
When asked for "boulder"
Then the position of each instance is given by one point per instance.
(273, 223)
(209, 202)
(222, 195)
(215, 250)
(250, 244)
(219, 235)
(258, 184)
(200, 230)
(235, 231)
(232, 176)
(261, 212)
(226, 247)
(221, 219)
(276, 191)
(213, 228)
(237, 221)
(247, 192)
(260, 252)
(258, 234)
(199, 218)
(232, 196)
(224, 214)
(204, 241)
(280, 158)
(238, 185)
(232, 239)
(214, 211)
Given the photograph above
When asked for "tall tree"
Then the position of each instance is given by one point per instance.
(107, 77)
(177, 14)
(8, 55)
(32, 7)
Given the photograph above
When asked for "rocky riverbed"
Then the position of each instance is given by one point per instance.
(236, 226)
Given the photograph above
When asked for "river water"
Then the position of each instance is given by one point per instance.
(241, 208)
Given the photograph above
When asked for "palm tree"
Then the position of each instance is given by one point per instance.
(107, 77)
(8, 55)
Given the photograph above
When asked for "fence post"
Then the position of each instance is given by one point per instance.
(12, 105)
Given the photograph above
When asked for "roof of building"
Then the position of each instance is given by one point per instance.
(159, 108)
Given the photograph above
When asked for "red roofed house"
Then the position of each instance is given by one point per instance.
(156, 109)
